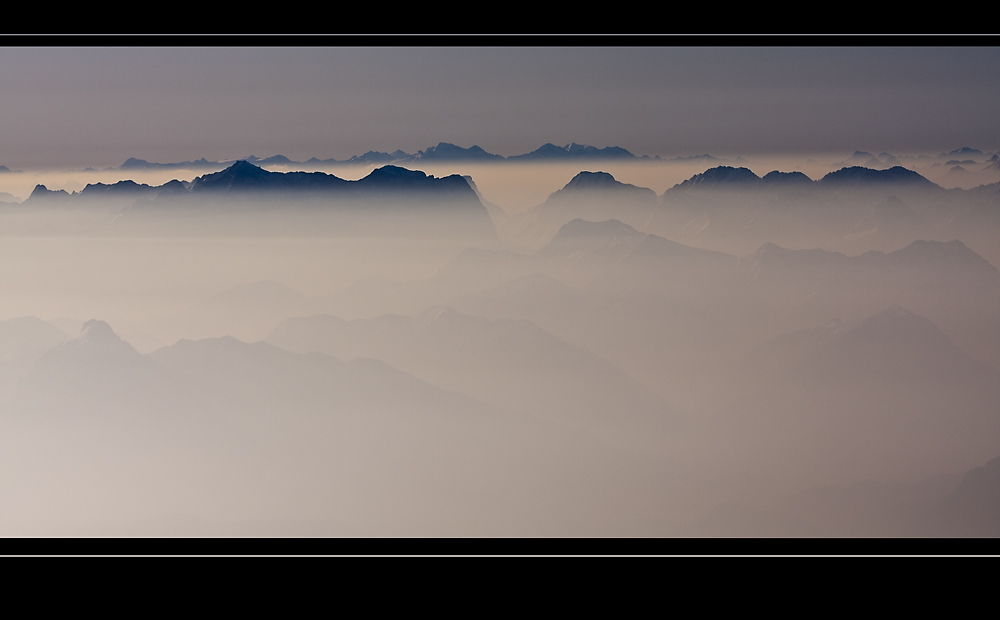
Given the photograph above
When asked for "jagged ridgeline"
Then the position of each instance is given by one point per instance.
(245, 199)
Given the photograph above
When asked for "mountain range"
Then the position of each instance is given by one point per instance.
(247, 199)
(442, 152)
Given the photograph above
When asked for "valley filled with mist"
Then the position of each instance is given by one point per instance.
(568, 342)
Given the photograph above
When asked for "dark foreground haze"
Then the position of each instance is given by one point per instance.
(612, 348)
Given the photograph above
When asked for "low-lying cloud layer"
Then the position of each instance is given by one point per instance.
(740, 353)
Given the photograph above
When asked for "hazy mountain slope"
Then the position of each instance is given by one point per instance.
(228, 431)
(247, 311)
(948, 283)
(973, 509)
(670, 346)
(245, 199)
(733, 210)
(512, 364)
(22, 341)
(594, 196)
(889, 397)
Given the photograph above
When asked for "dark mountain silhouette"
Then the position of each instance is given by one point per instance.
(275, 160)
(378, 158)
(446, 151)
(223, 201)
(857, 159)
(551, 152)
(857, 175)
(963, 152)
(786, 179)
(596, 181)
(243, 176)
(721, 177)
(42, 194)
(742, 212)
(121, 189)
(705, 157)
(140, 164)
(593, 196)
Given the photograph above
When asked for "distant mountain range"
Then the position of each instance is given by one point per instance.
(444, 151)
(388, 201)
(447, 152)
(243, 177)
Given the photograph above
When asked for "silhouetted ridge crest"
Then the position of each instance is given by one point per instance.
(592, 180)
(858, 175)
(721, 177)
(940, 252)
(126, 187)
(43, 193)
(963, 152)
(394, 176)
(582, 229)
(97, 330)
(906, 330)
(550, 151)
(581, 235)
(445, 151)
(599, 184)
(241, 175)
(786, 179)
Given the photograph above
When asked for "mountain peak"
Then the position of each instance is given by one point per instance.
(786, 178)
(396, 172)
(587, 180)
(241, 175)
(95, 330)
(902, 326)
(580, 228)
(448, 151)
(721, 177)
(963, 151)
(549, 151)
(242, 166)
(859, 175)
(929, 248)
(898, 311)
(581, 235)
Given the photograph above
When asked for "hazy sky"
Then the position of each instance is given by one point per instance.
(97, 106)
